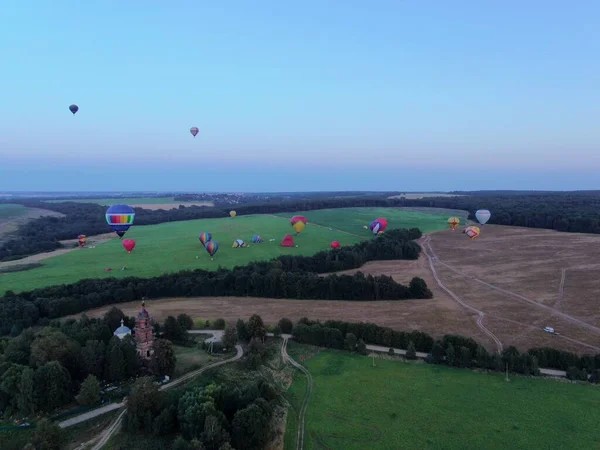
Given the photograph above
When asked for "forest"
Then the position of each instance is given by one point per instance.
(563, 211)
(285, 277)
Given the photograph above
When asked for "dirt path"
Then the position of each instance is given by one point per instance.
(309, 384)
(431, 256)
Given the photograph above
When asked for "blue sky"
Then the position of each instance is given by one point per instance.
(392, 95)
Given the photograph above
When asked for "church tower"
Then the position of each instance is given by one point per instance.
(143, 334)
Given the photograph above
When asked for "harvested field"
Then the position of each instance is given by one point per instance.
(13, 215)
(514, 276)
(418, 195)
(172, 205)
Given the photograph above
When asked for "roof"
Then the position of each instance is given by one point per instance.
(143, 314)
(122, 330)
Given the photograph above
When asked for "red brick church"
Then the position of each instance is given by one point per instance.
(143, 335)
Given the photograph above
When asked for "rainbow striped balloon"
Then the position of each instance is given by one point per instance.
(120, 218)
(212, 247)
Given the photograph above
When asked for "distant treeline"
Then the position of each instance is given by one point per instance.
(568, 211)
(285, 277)
(453, 350)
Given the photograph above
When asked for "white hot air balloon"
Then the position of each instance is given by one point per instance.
(483, 215)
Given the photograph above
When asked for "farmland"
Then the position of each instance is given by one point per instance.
(355, 406)
(171, 247)
(141, 202)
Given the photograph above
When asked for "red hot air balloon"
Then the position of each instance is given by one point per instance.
(129, 244)
(335, 244)
(194, 131)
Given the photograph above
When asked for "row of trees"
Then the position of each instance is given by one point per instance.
(41, 371)
(218, 416)
(284, 277)
(453, 350)
(562, 211)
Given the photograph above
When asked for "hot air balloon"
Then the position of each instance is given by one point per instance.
(299, 226)
(453, 222)
(239, 243)
(194, 131)
(378, 226)
(232, 213)
(73, 109)
(205, 237)
(335, 244)
(296, 219)
(82, 238)
(288, 241)
(129, 244)
(483, 215)
(120, 218)
(257, 239)
(212, 247)
(473, 232)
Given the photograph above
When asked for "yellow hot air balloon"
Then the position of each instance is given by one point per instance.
(232, 213)
(453, 222)
(299, 226)
(473, 232)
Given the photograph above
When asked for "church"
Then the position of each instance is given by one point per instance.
(143, 334)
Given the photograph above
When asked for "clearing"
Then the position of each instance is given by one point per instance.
(174, 246)
(354, 405)
(13, 215)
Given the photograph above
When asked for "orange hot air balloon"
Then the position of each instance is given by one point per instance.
(453, 222)
(82, 239)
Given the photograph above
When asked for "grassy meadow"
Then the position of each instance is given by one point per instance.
(419, 406)
(174, 246)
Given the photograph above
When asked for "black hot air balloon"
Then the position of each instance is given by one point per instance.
(73, 108)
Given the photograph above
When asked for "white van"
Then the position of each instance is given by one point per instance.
(549, 329)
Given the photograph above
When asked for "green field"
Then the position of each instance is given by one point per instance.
(174, 246)
(419, 406)
(121, 201)
(11, 210)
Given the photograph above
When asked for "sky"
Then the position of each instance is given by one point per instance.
(338, 95)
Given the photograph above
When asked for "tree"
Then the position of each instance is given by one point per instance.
(9, 382)
(89, 393)
(166, 422)
(250, 428)
(92, 357)
(361, 347)
(163, 360)
(256, 327)
(411, 352)
(173, 331)
(350, 342)
(481, 356)
(213, 435)
(418, 288)
(256, 353)
(573, 373)
(46, 435)
(286, 325)
(180, 444)
(185, 321)
(391, 352)
(143, 405)
(113, 318)
(230, 337)
(219, 324)
(115, 368)
(437, 353)
(465, 357)
(277, 331)
(26, 392)
(450, 355)
(242, 330)
(52, 386)
(226, 446)
(53, 345)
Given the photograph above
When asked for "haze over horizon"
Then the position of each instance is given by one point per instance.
(299, 97)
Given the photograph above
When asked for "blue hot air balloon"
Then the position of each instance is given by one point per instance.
(120, 218)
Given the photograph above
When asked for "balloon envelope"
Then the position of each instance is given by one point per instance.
(257, 239)
(453, 222)
(299, 226)
(205, 237)
(473, 232)
(232, 213)
(194, 131)
(82, 239)
(239, 243)
(120, 218)
(296, 219)
(483, 215)
(211, 247)
(129, 244)
(378, 225)
(73, 108)
(335, 244)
